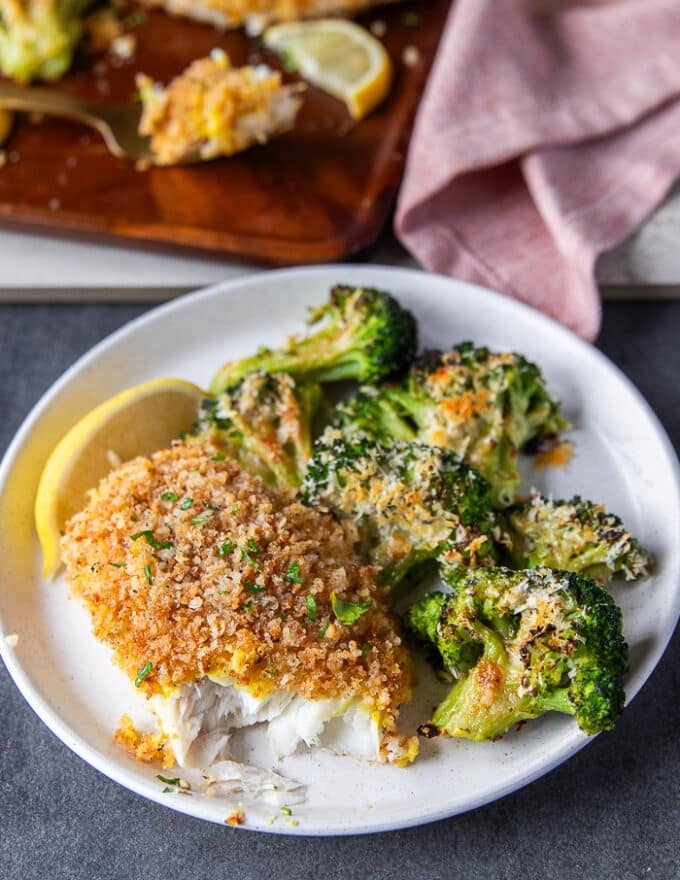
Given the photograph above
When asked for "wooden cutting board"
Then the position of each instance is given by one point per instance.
(321, 192)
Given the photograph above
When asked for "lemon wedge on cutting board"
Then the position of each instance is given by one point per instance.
(135, 422)
(339, 57)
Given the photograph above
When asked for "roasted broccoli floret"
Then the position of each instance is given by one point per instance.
(409, 502)
(264, 421)
(522, 643)
(484, 406)
(574, 535)
(38, 37)
(369, 413)
(366, 336)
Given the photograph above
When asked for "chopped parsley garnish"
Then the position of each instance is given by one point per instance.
(219, 456)
(143, 673)
(289, 62)
(248, 605)
(254, 588)
(271, 670)
(169, 496)
(235, 508)
(198, 520)
(311, 606)
(365, 649)
(411, 19)
(151, 540)
(348, 612)
(117, 564)
(286, 811)
(186, 504)
(225, 548)
(293, 574)
(252, 546)
(323, 631)
(147, 574)
(249, 559)
(174, 781)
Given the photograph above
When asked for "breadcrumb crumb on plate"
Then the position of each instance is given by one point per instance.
(558, 455)
(145, 747)
(236, 817)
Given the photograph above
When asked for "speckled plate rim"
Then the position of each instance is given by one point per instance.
(573, 740)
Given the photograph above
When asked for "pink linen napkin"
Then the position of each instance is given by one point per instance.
(547, 132)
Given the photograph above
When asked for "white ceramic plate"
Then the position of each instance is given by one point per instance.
(623, 458)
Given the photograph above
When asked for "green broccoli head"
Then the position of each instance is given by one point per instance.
(409, 502)
(522, 643)
(483, 405)
(366, 335)
(455, 643)
(264, 421)
(38, 37)
(575, 535)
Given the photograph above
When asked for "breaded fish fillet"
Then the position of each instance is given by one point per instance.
(228, 604)
(255, 15)
(213, 109)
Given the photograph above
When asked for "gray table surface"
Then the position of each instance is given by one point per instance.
(610, 812)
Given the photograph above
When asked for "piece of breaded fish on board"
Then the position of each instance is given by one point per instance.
(255, 15)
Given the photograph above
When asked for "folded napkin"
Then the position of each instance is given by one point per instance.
(547, 132)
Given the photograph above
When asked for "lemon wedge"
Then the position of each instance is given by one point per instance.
(135, 422)
(339, 57)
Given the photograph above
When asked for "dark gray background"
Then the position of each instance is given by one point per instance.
(610, 812)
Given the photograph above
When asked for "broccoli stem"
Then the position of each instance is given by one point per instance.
(558, 701)
(395, 576)
(397, 428)
(477, 707)
(408, 406)
(312, 361)
(505, 478)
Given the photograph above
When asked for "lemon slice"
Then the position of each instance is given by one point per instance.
(339, 57)
(135, 422)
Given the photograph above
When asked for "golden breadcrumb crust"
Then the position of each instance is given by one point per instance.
(244, 590)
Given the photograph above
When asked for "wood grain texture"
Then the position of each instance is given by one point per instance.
(320, 192)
